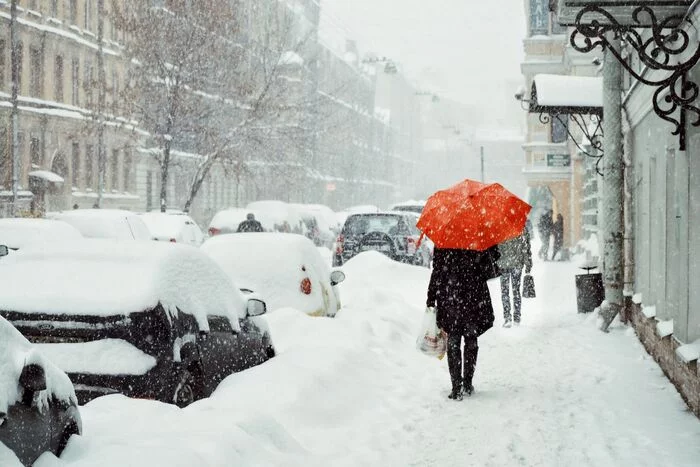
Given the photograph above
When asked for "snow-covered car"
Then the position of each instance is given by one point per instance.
(104, 223)
(393, 233)
(38, 407)
(287, 270)
(227, 221)
(173, 227)
(278, 216)
(408, 206)
(147, 319)
(321, 223)
(20, 233)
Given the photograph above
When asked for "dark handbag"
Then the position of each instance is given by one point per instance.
(528, 286)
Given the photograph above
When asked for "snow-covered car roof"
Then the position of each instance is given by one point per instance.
(367, 208)
(271, 265)
(19, 233)
(274, 213)
(163, 225)
(15, 353)
(104, 223)
(228, 220)
(324, 215)
(103, 278)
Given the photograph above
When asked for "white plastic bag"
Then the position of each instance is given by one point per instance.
(431, 340)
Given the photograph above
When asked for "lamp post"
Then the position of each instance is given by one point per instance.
(14, 118)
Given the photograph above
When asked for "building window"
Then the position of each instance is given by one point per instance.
(59, 165)
(2, 63)
(114, 162)
(73, 13)
(75, 164)
(33, 5)
(5, 166)
(89, 166)
(37, 73)
(88, 16)
(149, 190)
(539, 17)
(75, 83)
(54, 8)
(127, 169)
(58, 79)
(35, 153)
(20, 63)
(115, 92)
(559, 127)
(89, 73)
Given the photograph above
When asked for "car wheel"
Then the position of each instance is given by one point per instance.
(70, 430)
(187, 389)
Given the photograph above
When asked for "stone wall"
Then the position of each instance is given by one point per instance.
(684, 376)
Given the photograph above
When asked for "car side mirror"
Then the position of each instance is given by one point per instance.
(256, 307)
(337, 277)
(4, 251)
(33, 380)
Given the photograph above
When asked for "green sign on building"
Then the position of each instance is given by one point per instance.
(558, 160)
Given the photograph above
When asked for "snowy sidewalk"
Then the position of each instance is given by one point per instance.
(556, 391)
(354, 391)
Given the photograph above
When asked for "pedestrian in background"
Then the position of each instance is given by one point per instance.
(558, 233)
(250, 224)
(516, 254)
(459, 291)
(544, 226)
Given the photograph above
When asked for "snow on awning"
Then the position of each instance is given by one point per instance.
(557, 94)
(46, 175)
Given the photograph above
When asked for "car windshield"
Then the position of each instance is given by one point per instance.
(361, 225)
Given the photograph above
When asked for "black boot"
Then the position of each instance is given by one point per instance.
(471, 350)
(456, 394)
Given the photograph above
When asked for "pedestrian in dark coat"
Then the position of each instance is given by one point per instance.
(558, 232)
(459, 291)
(515, 255)
(250, 224)
(545, 229)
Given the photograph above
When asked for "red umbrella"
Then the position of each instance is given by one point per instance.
(473, 216)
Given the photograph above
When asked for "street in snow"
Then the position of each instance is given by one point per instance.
(354, 390)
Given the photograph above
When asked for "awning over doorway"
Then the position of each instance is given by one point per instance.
(563, 94)
(46, 175)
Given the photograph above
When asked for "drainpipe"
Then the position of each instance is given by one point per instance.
(613, 187)
(102, 84)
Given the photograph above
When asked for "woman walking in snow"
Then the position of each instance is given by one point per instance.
(459, 291)
(515, 254)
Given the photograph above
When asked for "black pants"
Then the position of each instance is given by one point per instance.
(455, 361)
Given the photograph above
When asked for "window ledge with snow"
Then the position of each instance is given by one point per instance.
(664, 328)
(688, 353)
(649, 311)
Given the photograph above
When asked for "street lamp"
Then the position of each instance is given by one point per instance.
(390, 67)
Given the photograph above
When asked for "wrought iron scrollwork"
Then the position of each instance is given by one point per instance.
(593, 133)
(667, 49)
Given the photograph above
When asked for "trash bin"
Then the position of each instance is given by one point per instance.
(589, 290)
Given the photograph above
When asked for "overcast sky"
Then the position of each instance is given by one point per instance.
(467, 49)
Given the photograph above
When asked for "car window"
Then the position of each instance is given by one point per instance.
(219, 324)
(361, 225)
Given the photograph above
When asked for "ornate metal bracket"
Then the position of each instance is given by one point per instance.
(668, 49)
(594, 137)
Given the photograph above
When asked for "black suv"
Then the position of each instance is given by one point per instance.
(392, 233)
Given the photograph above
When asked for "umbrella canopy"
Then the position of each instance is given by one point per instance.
(473, 216)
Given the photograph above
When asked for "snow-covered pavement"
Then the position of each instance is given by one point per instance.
(353, 391)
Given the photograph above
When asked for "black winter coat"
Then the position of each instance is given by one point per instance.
(250, 226)
(459, 291)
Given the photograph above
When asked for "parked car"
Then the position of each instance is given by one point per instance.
(408, 206)
(20, 233)
(38, 407)
(287, 270)
(321, 223)
(173, 227)
(146, 319)
(227, 221)
(278, 216)
(105, 223)
(392, 233)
